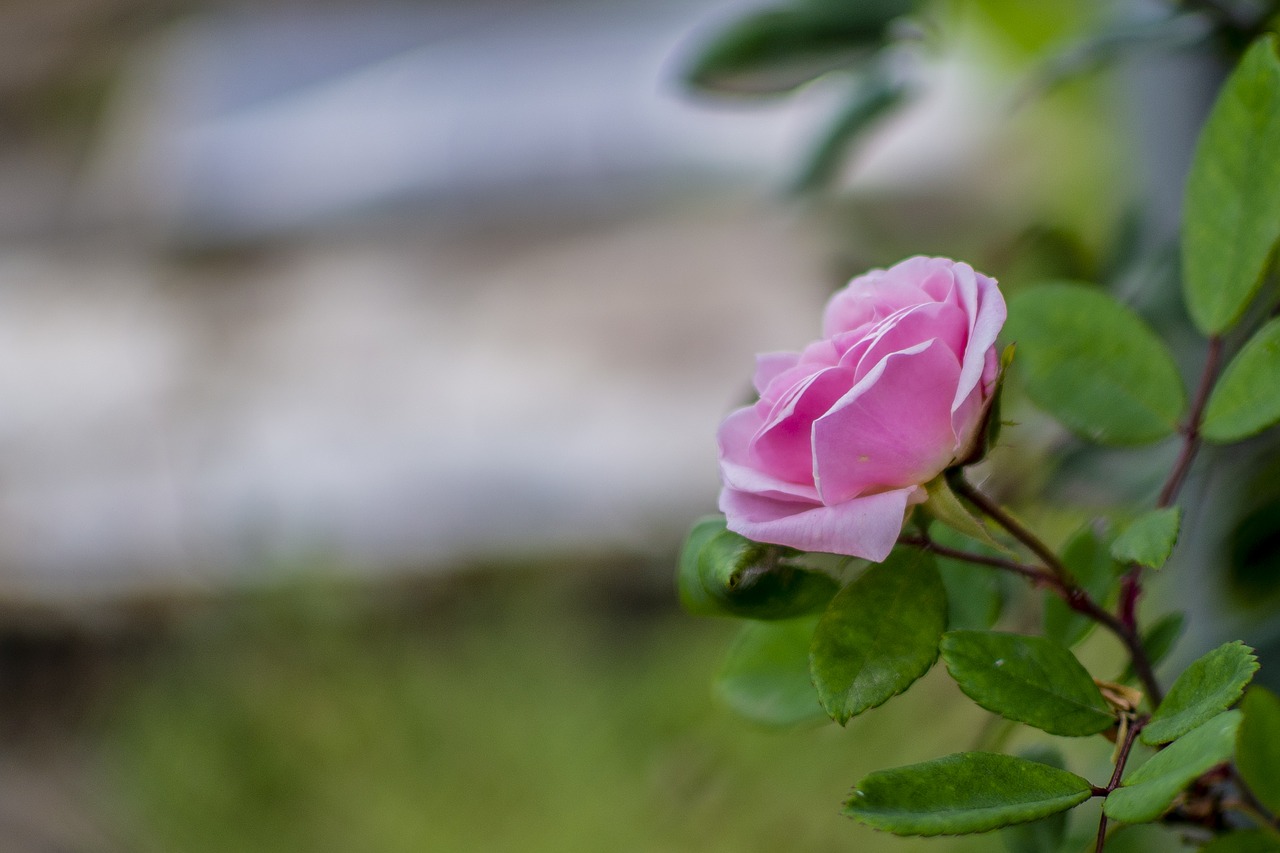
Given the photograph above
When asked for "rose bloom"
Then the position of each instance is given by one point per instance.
(846, 432)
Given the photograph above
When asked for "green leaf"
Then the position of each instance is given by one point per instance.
(968, 792)
(1149, 540)
(773, 51)
(875, 96)
(765, 677)
(724, 574)
(1209, 685)
(975, 594)
(1258, 746)
(1246, 399)
(1247, 841)
(1028, 679)
(1095, 365)
(1046, 834)
(1090, 561)
(879, 634)
(1147, 792)
(1158, 642)
(1231, 213)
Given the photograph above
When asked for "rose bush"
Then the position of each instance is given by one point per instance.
(846, 432)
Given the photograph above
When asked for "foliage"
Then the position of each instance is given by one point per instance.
(1107, 369)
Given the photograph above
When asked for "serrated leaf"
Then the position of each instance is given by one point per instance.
(1246, 841)
(724, 574)
(765, 677)
(1210, 685)
(1158, 641)
(1046, 834)
(1028, 679)
(1149, 540)
(1231, 213)
(1146, 793)
(963, 793)
(1095, 365)
(772, 51)
(1090, 562)
(1246, 399)
(879, 634)
(975, 594)
(875, 96)
(1258, 746)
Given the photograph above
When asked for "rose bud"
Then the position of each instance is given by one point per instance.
(846, 433)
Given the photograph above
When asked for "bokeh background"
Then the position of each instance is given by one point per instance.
(360, 364)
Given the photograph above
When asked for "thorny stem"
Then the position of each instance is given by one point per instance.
(1121, 759)
(1058, 578)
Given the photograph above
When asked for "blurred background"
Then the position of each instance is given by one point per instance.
(360, 365)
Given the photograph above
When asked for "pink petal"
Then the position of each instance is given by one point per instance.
(866, 527)
(737, 469)
(783, 445)
(769, 365)
(912, 326)
(869, 298)
(892, 430)
(987, 320)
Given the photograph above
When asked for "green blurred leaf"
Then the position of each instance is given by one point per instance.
(975, 594)
(968, 792)
(1147, 792)
(879, 634)
(1210, 685)
(1028, 679)
(724, 574)
(1158, 642)
(1231, 214)
(1046, 834)
(765, 677)
(1247, 841)
(1118, 41)
(874, 97)
(774, 50)
(1090, 561)
(1258, 746)
(1095, 365)
(1149, 540)
(1246, 399)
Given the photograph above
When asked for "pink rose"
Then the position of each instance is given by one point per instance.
(845, 433)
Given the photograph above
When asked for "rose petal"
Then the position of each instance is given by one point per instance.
(910, 327)
(783, 445)
(866, 527)
(869, 298)
(987, 318)
(892, 430)
(769, 365)
(738, 470)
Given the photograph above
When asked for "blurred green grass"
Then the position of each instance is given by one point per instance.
(511, 712)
